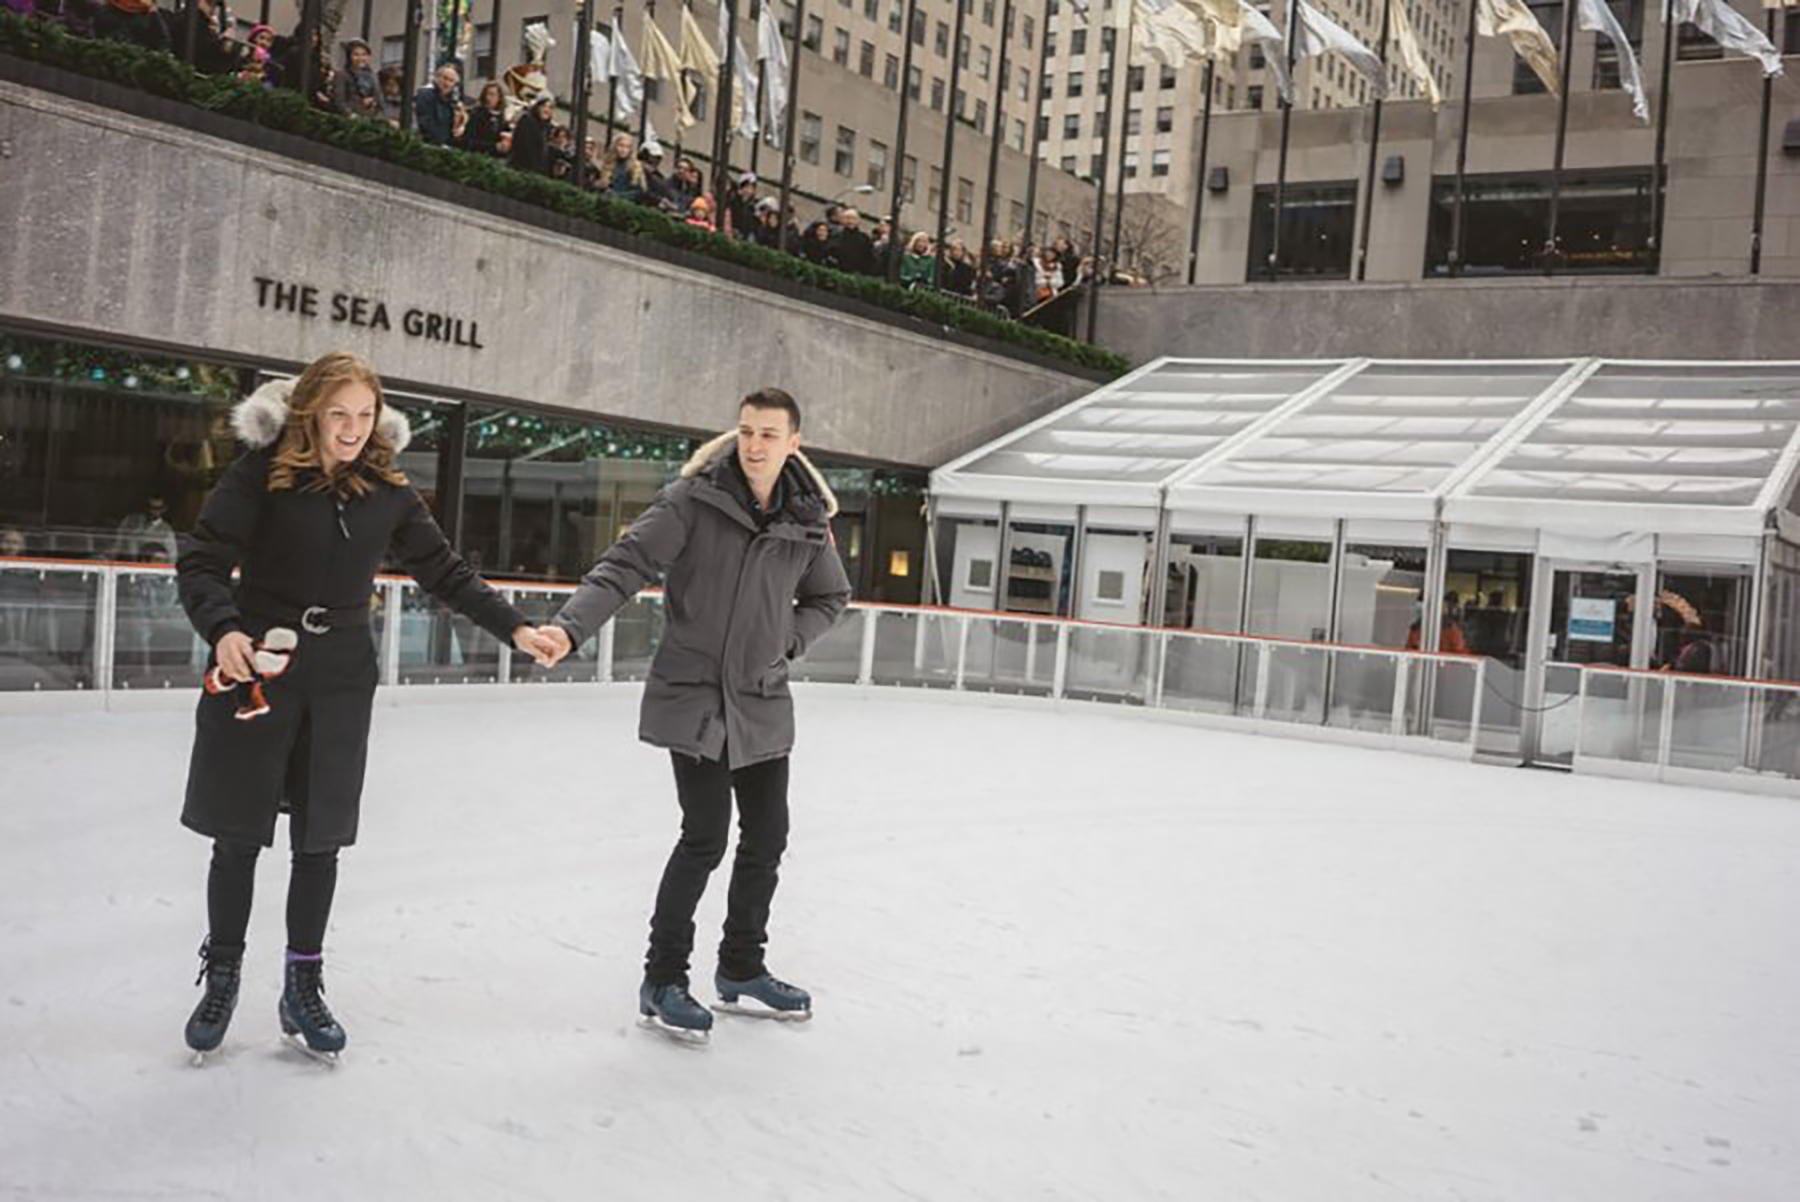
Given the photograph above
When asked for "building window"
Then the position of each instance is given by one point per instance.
(484, 51)
(940, 39)
(1165, 119)
(965, 200)
(1097, 167)
(1049, 43)
(909, 179)
(981, 115)
(1630, 15)
(1159, 163)
(1047, 87)
(918, 29)
(1318, 224)
(1027, 29)
(1074, 88)
(1602, 226)
(840, 47)
(890, 73)
(1024, 84)
(393, 51)
(914, 82)
(1134, 122)
(935, 197)
(987, 13)
(872, 9)
(1017, 137)
(1165, 78)
(1043, 126)
(937, 95)
(1015, 209)
(1253, 97)
(1077, 42)
(896, 15)
(815, 34)
(1693, 45)
(984, 63)
(843, 160)
(1257, 59)
(865, 62)
(1068, 163)
(1134, 80)
(878, 165)
(811, 131)
(1071, 125)
(962, 52)
(1131, 165)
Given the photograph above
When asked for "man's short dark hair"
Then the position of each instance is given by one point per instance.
(774, 398)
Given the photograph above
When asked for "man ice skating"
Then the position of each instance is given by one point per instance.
(751, 579)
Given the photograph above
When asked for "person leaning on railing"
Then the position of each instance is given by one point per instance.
(918, 267)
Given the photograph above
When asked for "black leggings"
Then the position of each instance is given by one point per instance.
(232, 881)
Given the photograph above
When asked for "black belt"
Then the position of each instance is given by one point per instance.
(313, 619)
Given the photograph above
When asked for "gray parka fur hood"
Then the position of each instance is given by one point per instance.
(710, 450)
(259, 418)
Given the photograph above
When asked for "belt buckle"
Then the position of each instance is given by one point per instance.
(313, 625)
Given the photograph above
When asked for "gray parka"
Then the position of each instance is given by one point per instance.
(742, 600)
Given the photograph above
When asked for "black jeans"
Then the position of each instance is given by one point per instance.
(231, 883)
(705, 788)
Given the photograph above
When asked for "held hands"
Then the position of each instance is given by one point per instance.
(235, 652)
(546, 644)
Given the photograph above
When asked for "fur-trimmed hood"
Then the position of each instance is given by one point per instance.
(259, 418)
(709, 453)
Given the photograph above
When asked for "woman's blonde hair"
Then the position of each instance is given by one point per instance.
(299, 451)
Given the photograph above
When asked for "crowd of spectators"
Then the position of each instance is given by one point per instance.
(514, 120)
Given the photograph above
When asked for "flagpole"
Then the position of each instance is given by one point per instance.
(410, 62)
(1562, 134)
(1106, 124)
(1762, 163)
(992, 201)
(793, 111)
(644, 107)
(578, 88)
(896, 231)
(1662, 130)
(762, 87)
(1124, 140)
(1037, 129)
(1455, 255)
(722, 127)
(1200, 173)
(1362, 241)
(943, 222)
(498, 6)
(1291, 43)
(612, 84)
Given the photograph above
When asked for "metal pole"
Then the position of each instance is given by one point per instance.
(1200, 175)
(1124, 139)
(896, 233)
(992, 201)
(309, 61)
(1562, 135)
(190, 32)
(762, 89)
(368, 16)
(1093, 296)
(578, 89)
(1455, 255)
(409, 63)
(1287, 118)
(612, 86)
(1362, 240)
(793, 111)
(644, 108)
(722, 124)
(1037, 128)
(943, 222)
(1762, 167)
(1658, 165)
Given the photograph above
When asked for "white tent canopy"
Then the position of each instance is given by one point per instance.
(1602, 450)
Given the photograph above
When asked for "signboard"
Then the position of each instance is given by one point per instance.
(1592, 619)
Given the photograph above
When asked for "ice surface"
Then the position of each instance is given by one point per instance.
(1054, 954)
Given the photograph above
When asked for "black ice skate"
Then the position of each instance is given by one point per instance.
(305, 1019)
(763, 996)
(221, 970)
(672, 1010)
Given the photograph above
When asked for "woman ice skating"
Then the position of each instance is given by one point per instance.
(305, 516)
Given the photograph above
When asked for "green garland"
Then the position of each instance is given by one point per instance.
(162, 75)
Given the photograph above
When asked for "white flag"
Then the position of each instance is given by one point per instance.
(661, 62)
(1410, 58)
(1224, 24)
(1511, 19)
(1596, 16)
(599, 56)
(1169, 33)
(1258, 28)
(1319, 34)
(771, 48)
(628, 93)
(744, 102)
(1724, 25)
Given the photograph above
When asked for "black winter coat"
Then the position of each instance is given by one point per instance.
(295, 549)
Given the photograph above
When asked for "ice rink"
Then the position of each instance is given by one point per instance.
(1055, 953)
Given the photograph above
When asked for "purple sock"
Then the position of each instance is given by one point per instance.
(294, 957)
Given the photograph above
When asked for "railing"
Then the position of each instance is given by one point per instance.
(1681, 728)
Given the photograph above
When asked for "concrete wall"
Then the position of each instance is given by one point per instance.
(123, 228)
(1649, 319)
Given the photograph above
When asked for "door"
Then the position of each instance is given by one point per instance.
(1583, 614)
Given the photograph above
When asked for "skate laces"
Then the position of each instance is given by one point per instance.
(309, 988)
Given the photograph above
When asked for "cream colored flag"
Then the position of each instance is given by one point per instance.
(1224, 29)
(1169, 33)
(696, 56)
(1407, 55)
(661, 62)
(1511, 19)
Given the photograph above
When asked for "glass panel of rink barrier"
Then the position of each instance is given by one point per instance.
(1362, 690)
(154, 646)
(1296, 682)
(1502, 693)
(1777, 716)
(49, 622)
(917, 648)
(837, 654)
(1011, 657)
(1109, 663)
(637, 633)
(581, 664)
(439, 646)
(1621, 717)
(1450, 687)
(1201, 674)
(1710, 728)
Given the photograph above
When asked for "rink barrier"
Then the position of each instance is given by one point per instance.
(101, 635)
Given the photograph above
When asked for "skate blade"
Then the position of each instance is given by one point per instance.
(198, 1059)
(329, 1059)
(750, 1008)
(685, 1036)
